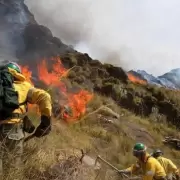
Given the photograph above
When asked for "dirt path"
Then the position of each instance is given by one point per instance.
(138, 133)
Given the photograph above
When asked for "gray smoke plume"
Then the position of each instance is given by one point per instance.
(68, 19)
(132, 34)
(80, 24)
(13, 20)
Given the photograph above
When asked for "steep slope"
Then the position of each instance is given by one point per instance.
(173, 76)
(120, 113)
(22, 37)
(150, 78)
(87, 73)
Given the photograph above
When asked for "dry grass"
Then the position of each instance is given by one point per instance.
(41, 154)
(93, 134)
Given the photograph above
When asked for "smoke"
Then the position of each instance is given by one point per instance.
(134, 35)
(82, 23)
(13, 21)
(68, 19)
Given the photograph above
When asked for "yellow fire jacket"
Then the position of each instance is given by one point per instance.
(168, 165)
(150, 168)
(30, 94)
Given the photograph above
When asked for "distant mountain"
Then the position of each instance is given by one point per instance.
(173, 77)
(170, 79)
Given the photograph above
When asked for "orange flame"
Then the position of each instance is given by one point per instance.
(78, 102)
(27, 73)
(136, 79)
(55, 76)
(75, 101)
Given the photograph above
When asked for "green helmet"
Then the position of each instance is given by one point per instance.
(14, 66)
(139, 149)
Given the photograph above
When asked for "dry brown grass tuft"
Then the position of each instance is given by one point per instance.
(57, 156)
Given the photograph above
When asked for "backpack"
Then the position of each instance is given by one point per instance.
(8, 96)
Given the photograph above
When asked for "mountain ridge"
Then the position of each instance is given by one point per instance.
(170, 79)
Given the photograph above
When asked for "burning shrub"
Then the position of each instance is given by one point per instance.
(134, 78)
(75, 102)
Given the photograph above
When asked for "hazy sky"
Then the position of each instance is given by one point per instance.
(134, 34)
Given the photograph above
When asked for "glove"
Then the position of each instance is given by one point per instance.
(124, 172)
(28, 125)
(44, 128)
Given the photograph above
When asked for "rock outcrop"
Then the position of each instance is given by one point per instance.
(22, 37)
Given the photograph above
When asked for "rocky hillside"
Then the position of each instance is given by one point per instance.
(142, 99)
(105, 79)
(22, 37)
(124, 108)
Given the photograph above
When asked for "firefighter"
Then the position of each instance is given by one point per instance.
(149, 166)
(169, 167)
(12, 131)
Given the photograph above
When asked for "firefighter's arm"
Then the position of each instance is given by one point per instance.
(42, 99)
(173, 167)
(132, 169)
(150, 171)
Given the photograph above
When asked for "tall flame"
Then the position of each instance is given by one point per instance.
(52, 78)
(136, 79)
(78, 102)
(75, 101)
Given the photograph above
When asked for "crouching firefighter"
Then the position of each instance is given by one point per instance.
(15, 93)
(147, 165)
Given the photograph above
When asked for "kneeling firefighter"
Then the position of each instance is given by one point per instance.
(15, 93)
(149, 166)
